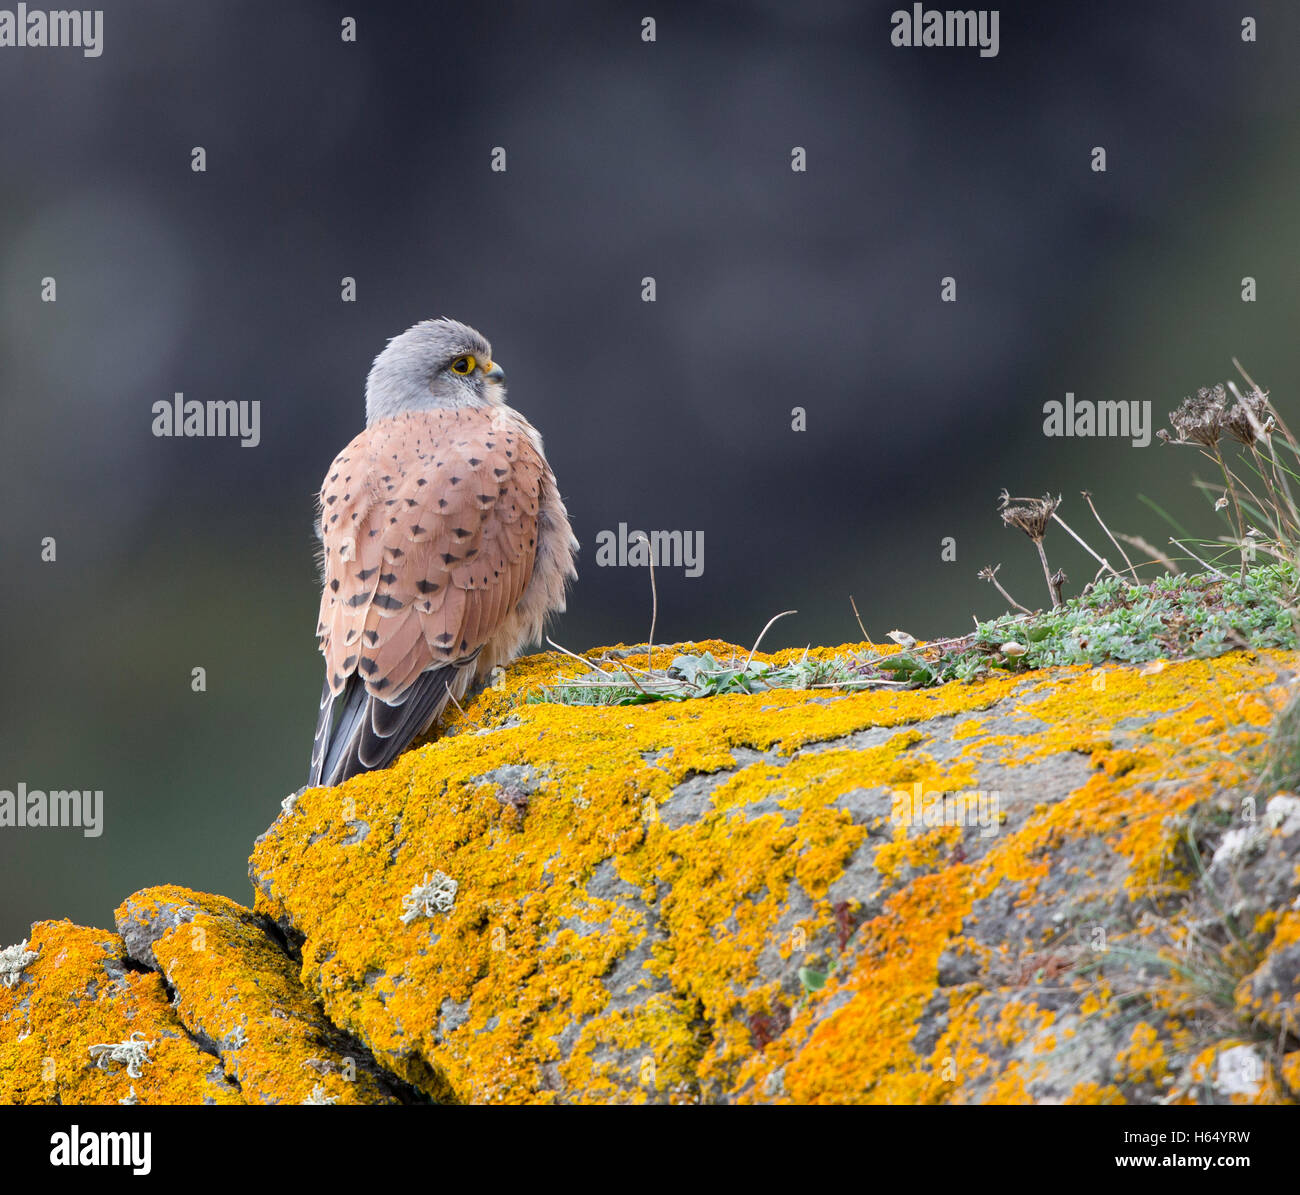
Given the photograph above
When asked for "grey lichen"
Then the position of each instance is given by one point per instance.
(12, 961)
(434, 895)
(320, 1096)
(134, 1052)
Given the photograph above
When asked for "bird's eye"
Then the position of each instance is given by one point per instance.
(463, 365)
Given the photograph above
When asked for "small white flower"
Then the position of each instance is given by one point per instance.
(436, 895)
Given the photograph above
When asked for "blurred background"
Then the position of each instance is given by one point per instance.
(625, 159)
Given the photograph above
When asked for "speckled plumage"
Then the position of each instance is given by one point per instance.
(445, 546)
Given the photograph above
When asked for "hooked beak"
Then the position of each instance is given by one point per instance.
(493, 372)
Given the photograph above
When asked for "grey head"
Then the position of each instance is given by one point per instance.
(437, 363)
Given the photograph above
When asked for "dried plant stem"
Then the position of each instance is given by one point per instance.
(1151, 550)
(580, 659)
(1009, 598)
(763, 632)
(1209, 568)
(1217, 456)
(1105, 564)
(632, 678)
(1057, 582)
(1118, 546)
(865, 637)
(1053, 586)
(991, 576)
(1282, 516)
(1277, 418)
(654, 617)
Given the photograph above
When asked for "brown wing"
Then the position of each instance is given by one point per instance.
(429, 528)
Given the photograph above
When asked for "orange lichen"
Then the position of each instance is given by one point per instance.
(238, 989)
(1095, 1093)
(1289, 1072)
(714, 899)
(718, 884)
(79, 994)
(1271, 994)
(1143, 1059)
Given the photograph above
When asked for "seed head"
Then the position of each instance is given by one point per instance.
(1201, 418)
(1249, 417)
(1031, 515)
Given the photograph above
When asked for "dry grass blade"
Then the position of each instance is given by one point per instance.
(1151, 550)
(763, 632)
(1105, 564)
(580, 659)
(865, 637)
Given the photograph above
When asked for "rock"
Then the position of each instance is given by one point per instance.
(77, 1000)
(1009, 891)
(1271, 993)
(236, 992)
(642, 932)
(192, 1004)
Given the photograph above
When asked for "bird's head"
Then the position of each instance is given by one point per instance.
(439, 363)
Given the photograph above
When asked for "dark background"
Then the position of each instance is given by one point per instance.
(625, 159)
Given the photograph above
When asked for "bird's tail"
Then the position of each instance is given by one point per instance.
(331, 741)
(370, 733)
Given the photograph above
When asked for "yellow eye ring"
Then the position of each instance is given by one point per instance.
(463, 365)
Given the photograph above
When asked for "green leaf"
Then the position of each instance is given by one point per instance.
(812, 979)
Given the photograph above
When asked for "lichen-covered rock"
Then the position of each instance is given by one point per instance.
(237, 994)
(192, 1004)
(1060, 886)
(761, 898)
(81, 1025)
(1272, 991)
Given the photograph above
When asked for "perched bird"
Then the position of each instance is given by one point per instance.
(445, 546)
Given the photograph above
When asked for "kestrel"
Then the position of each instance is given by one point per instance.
(445, 547)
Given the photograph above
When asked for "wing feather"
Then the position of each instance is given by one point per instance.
(428, 522)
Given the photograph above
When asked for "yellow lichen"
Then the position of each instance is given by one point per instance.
(1143, 1059)
(1095, 1093)
(79, 994)
(612, 939)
